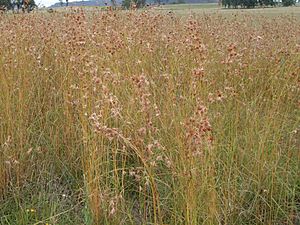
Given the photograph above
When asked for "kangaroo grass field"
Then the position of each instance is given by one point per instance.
(150, 117)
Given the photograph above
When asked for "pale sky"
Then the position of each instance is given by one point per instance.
(47, 2)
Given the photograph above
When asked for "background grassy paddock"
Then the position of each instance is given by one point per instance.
(184, 9)
(150, 117)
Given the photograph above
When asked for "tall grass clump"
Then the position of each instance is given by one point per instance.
(149, 118)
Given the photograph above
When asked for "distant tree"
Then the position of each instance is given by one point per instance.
(19, 4)
(226, 3)
(248, 3)
(28, 5)
(114, 3)
(61, 3)
(266, 3)
(126, 4)
(5, 3)
(288, 2)
(138, 3)
(32, 4)
(67, 3)
(236, 3)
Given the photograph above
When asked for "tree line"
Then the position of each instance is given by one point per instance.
(254, 3)
(27, 5)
